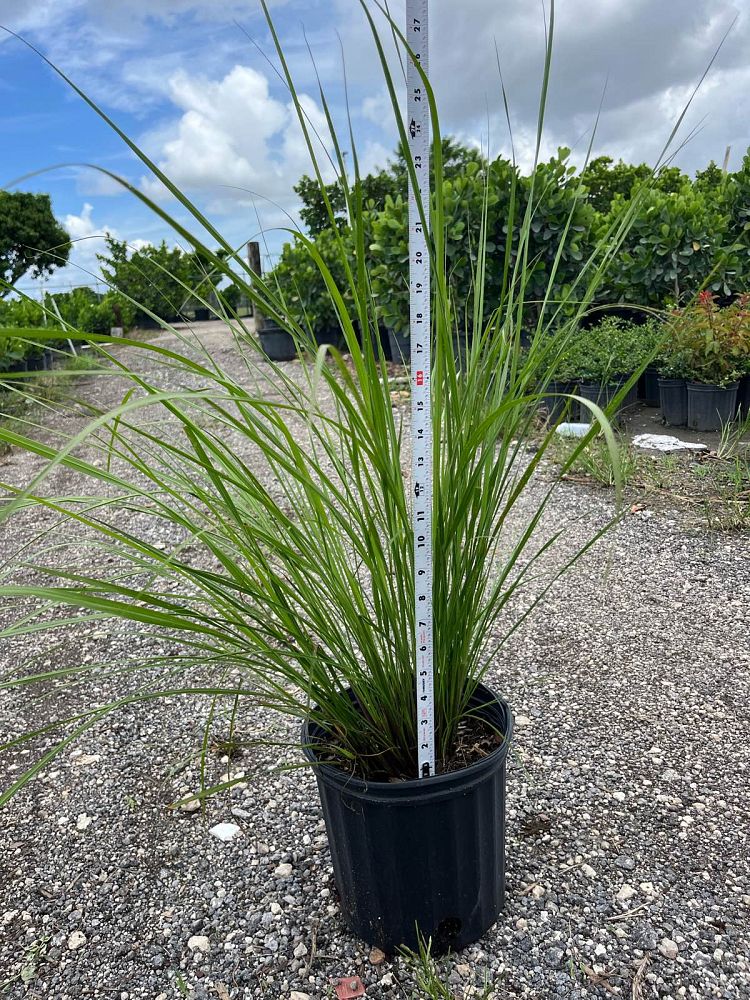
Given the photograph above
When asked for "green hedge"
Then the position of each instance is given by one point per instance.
(81, 309)
(687, 236)
(21, 347)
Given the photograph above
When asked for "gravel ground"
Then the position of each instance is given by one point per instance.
(628, 869)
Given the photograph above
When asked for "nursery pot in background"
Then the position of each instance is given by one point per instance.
(277, 344)
(651, 386)
(427, 853)
(400, 346)
(743, 398)
(673, 401)
(709, 407)
(554, 402)
(602, 393)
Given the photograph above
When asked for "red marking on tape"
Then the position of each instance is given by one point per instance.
(420, 378)
(349, 988)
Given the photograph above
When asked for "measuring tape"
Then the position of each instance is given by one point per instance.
(418, 128)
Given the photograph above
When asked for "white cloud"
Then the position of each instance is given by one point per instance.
(235, 142)
(87, 237)
(650, 55)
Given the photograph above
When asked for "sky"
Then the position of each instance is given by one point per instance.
(195, 83)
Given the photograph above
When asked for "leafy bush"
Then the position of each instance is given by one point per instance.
(21, 312)
(558, 207)
(80, 309)
(161, 279)
(707, 343)
(605, 180)
(20, 348)
(612, 349)
(298, 281)
(678, 244)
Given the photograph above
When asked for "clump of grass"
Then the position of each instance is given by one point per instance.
(597, 462)
(298, 513)
(716, 488)
(433, 979)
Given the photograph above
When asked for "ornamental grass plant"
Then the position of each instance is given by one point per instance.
(286, 489)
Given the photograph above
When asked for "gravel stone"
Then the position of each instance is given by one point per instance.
(669, 949)
(76, 940)
(225, 831)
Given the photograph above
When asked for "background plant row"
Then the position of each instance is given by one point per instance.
(688, 234)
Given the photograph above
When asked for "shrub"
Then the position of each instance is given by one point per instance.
(300, 284)
(678, 244)
(707, 343)
(21, 312)
(552, 263)
(612, 349)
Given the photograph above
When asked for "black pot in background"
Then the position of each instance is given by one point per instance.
(427, 853)
(743, 398)
(35, 363)
(400, 346)
(651, 386)
(331, 336)
(709, 407)
(554, 402)
(673, 401)
(277, 344)
(602, 393)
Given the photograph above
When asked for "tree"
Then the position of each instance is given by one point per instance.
(32, 241)
(159, 278)
(314, 212)
(711, 179)
(389, 182)
(604, 180)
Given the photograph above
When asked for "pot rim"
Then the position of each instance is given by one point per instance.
(711, 386)
(450, 782)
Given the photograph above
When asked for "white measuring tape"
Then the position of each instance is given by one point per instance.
(418, 128)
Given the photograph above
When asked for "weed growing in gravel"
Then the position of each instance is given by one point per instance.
(714, 488)
(33, 957)
(432, 980)
(597, 462)
(288, 487)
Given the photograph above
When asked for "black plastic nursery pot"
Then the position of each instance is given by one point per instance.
(709, 407)
(743, 397)
(400, 346)
(330, 335)
(423, 857)
(554, 400)
(602, 393)
(651, 387)
(673, 401)
(277, 344)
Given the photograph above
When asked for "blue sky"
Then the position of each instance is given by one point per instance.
(187, 83)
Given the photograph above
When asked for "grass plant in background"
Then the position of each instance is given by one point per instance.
(298, 505)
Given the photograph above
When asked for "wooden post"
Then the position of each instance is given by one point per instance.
(253, 259)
